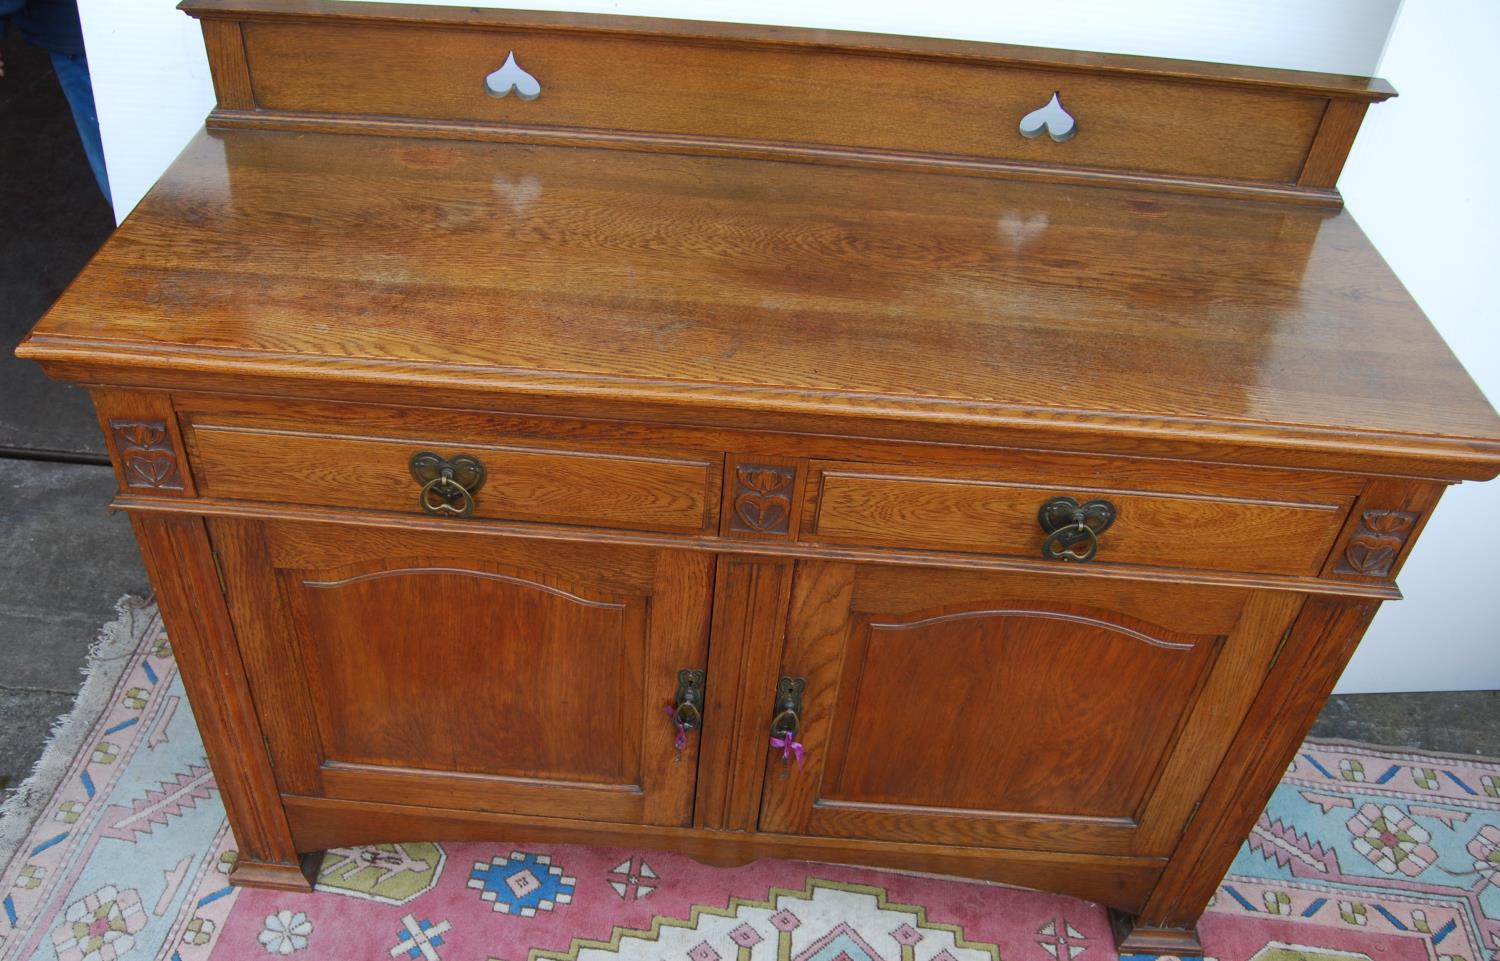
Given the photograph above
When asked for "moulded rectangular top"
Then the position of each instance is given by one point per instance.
(778, 293)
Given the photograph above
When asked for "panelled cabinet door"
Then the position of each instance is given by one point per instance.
(470, 671)
(1067, 713)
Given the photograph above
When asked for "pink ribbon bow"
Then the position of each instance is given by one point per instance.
(680, 741)
(790, 747)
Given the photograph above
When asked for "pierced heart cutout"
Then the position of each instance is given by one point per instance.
(510, 77)
(1052, 118)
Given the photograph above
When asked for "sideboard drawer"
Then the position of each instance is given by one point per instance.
(603, 488)
(961, 510)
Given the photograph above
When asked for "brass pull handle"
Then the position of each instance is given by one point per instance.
(787, 721)
(687, 709)
(448, 485)
(1069, 524)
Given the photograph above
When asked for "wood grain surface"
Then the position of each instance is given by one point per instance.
(604, 488)
(539, 683)
(1031, 686)
(911, 509)
(779, 288)
(823, 96)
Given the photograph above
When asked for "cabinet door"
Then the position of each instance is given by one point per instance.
(469, 671)
(1064, 713)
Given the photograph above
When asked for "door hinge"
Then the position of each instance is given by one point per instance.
(219, 570)
(1191, 815)
(1276, 655)
(270, 754)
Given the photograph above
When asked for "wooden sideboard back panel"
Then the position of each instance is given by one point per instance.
(823, 95)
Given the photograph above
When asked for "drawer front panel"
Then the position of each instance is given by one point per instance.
(727, 92)
(967, 513)
(597, 488)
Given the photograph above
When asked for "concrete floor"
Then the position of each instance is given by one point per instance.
(64, 561)
(1453, 722)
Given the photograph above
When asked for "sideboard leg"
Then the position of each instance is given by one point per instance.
(179, 560)
(1133, 938)
(277, 877)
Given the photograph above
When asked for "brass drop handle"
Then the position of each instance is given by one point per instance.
(786, 721)
(448, 485)
(1069, 524)
(687, 708)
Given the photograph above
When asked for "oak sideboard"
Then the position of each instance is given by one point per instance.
(758, 442)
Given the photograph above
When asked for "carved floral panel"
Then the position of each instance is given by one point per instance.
(762, 500)
(147, 458)
(1377, 542)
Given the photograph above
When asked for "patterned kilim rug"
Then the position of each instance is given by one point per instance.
(1362, 854)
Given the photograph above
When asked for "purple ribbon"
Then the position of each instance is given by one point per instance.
(790, 747)
(681, 740)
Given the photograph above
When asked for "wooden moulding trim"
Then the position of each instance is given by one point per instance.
(1303, 193)
(1331, 144)
(758, 35)
(1119, 881)
(84, 360)
(225, 42)
(212, 507)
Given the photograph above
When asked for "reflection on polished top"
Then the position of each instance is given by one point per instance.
(772, 286)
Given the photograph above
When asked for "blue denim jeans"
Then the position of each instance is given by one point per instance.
(73, 74)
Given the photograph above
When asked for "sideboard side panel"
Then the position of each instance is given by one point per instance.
(1314, 655)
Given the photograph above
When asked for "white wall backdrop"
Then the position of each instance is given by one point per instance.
(151, 86)
(1416, 182)
(1421, 182)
